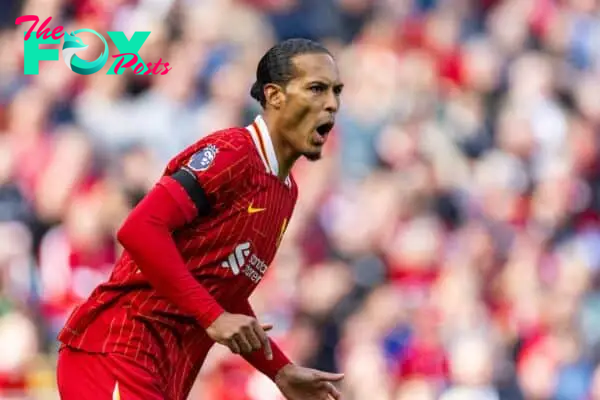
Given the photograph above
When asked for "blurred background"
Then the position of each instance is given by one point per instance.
(446, 247)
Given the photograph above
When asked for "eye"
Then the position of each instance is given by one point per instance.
(318, 89)
(337, 90)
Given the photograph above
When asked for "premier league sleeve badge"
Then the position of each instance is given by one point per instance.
(203, 158)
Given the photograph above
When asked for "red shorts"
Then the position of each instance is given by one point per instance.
(92, 376)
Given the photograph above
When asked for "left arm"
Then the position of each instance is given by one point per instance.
(294, 382)
(258, 359)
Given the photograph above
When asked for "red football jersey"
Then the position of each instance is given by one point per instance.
(228, 252)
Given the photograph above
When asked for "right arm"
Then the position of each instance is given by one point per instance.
(147, 236)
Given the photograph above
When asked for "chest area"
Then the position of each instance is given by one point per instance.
(251, 223)
(256, 222)
(263, 211)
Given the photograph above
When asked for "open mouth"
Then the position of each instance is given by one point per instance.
(319, 136)
(324, 129)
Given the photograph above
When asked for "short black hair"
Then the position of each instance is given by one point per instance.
(276, 65)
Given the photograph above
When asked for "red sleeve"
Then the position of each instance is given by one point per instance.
(257, 358)
(218, 168)
(146, 235)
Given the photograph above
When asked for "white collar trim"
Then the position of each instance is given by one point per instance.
(264, 133)
(264, 145)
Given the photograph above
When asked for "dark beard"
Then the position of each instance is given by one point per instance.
(312, 156)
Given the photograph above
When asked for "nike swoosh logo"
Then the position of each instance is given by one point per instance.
(252, 210)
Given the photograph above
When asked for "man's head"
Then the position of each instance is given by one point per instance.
(297, 81)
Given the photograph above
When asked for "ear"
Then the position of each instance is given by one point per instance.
(274, 95)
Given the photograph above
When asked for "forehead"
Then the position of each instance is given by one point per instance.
(316, 66)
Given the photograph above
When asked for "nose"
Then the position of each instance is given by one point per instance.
(332, 104)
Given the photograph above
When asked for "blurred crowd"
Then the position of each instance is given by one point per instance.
(446, 247)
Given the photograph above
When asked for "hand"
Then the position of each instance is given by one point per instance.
(298, 383)
(241, 333)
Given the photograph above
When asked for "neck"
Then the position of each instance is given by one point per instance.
(286, 156)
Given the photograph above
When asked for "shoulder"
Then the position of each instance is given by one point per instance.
(231, 139)
(232, 144)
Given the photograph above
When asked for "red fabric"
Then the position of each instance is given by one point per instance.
(424, 360)
(86, 267)
(541, 16)
(10, 382)
(450, 66)
(417, 278)
(425, 356)
(227, 252)
(86, 376)
(146, 235)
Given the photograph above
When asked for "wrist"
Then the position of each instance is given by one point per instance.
(283, 371)
(208, 317)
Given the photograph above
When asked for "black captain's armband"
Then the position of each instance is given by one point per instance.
(187, 179)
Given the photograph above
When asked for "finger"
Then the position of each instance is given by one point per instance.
(243, 343)
(266, 327)
(253, 339)
(233, 346)
(333, 391)
(264, 339)
(328, 376)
